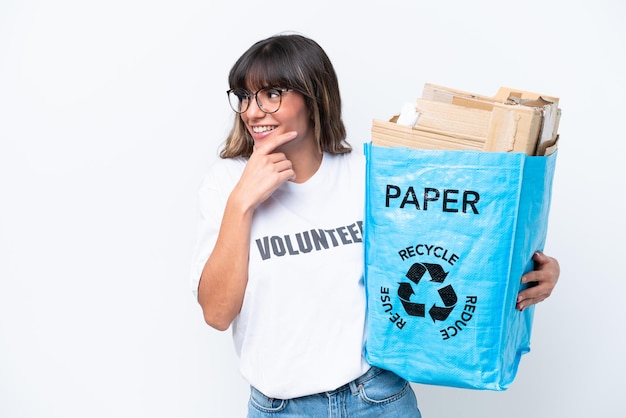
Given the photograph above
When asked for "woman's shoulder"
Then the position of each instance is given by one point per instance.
(356, 159)
(349, 166)
(223, 172)
(234, 165)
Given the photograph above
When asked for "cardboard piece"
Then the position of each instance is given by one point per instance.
(510, 121)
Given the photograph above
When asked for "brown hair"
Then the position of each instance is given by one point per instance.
(295, 62)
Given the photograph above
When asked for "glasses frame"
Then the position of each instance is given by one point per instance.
(243, 109)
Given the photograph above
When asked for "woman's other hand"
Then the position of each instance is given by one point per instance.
(542, 281)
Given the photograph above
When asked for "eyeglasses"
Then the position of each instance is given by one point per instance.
(268, 99)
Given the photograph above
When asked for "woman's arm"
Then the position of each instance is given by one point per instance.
(225, 274)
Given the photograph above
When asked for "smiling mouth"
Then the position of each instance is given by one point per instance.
(262, 129)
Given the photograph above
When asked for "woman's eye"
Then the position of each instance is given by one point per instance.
(273, 94)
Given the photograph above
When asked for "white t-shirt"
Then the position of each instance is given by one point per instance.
(300, 329)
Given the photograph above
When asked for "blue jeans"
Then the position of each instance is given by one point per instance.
(378, 393)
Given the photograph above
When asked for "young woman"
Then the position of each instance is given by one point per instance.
(279, 256)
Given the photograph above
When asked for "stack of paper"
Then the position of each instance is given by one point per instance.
(449, 119)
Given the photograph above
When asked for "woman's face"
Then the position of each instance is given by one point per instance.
(293, 115)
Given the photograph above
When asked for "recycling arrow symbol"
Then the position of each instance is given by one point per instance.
(446, 293)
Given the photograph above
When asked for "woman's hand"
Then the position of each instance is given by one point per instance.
(542, 281)
(265, 171)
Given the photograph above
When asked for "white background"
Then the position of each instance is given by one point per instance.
(110, 112)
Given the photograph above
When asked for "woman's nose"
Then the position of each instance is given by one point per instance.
(253, 110)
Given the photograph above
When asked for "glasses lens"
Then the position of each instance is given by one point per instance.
(269, 99)
(239, 100)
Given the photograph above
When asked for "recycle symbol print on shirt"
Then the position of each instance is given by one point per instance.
(438, 312)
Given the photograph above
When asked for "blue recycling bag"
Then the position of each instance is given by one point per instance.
(448, 235)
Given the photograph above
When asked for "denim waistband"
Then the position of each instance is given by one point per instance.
(354, 385)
